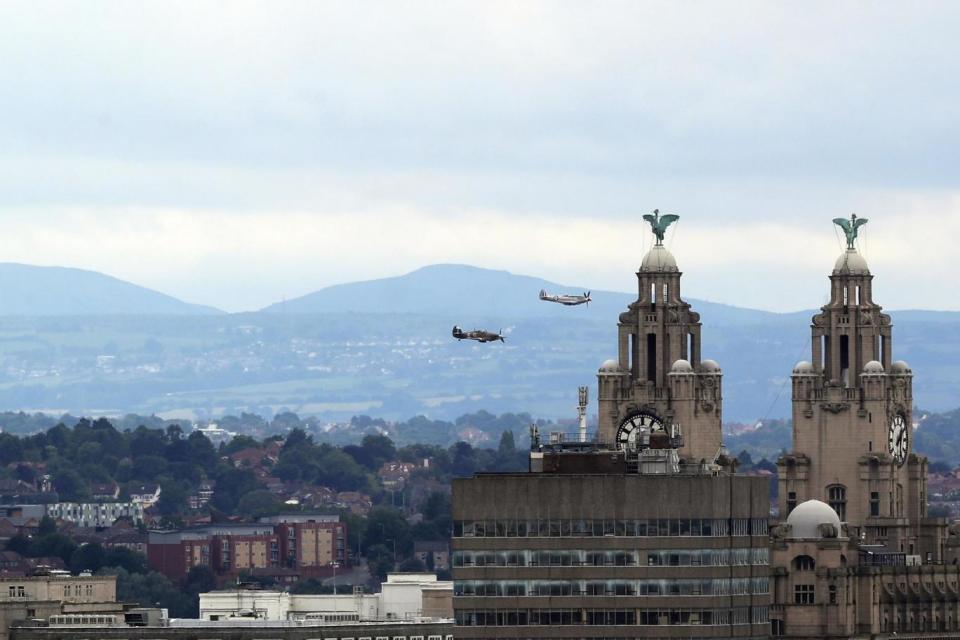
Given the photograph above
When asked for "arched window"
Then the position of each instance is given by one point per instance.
(804, 563)
(837, 498)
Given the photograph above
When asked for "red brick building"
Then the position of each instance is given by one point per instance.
(308, 544)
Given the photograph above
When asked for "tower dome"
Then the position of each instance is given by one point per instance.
(807, 517)
(610, 366)
(709, 366)
(804, 367)
(900, 367)
(851, 263)
(873, 367)
(681, 366)
(659, 259)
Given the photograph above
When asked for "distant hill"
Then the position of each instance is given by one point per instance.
(462, 292)
(27, 290)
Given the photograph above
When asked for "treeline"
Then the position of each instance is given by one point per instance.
(96, 452)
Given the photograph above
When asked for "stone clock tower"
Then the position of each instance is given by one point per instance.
(659, 381)
(852, 418)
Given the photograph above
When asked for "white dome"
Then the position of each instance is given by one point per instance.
(873, 367)
(658, 259)
(803, 368)
(900, 367)
(709, 366)
(807, 517)
(681, 366)
(852, 263)
(610, 366)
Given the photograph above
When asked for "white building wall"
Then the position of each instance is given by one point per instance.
(401, 598)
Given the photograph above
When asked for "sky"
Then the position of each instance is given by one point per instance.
(239, 154)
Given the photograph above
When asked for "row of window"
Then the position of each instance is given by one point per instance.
(680, 587)
(644, 617)
(646, 637)
(616, 558)
(653, 527)
(83, 620)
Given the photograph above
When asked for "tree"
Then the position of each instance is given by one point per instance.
(412, 565)
(464, 459)
(201, 452)
(380, 561)
(126, 559)
(200, 579)
(19, 544)
(258, 503)
(507, 446)
(173, 497)
(379, 449)
(87, 557)
(55, 544)
(47, 526)
(71, 486)
(341, 472)
(154, 589)
(232, 484)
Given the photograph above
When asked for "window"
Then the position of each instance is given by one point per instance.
(837, 498)
(803, 594)
(833, 593)
(804, 563)
(874, 503)
(791, 501)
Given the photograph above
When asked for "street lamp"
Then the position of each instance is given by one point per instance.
(335, 565)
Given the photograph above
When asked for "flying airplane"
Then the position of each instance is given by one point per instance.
(570, 301)
(477, 334)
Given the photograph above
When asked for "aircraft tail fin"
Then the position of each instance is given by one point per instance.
(543, 294)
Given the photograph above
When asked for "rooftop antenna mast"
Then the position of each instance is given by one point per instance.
(584, 395)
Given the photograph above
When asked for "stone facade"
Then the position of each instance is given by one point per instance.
(658, 371)
(880, 567)
(39, 597)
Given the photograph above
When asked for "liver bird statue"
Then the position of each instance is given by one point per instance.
(659, 224)
(850, 227)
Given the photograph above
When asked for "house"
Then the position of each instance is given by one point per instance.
(146, 495)
(107, 491)
(131, 539)
(202, 495)
(355, 502)
(394, 475)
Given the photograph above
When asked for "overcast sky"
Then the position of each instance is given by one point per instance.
(238, 153)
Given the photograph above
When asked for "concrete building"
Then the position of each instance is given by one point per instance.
(643, 531)
(404, 596)
(28, 598)
(96, 514)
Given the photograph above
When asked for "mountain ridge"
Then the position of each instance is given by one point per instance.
(33, 290)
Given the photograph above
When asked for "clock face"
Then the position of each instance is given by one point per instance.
(631, 427)
(898, 438)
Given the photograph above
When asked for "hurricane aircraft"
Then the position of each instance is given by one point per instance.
(477, 334)
(565, 299)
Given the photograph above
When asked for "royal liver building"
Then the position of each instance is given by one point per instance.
(855, 554)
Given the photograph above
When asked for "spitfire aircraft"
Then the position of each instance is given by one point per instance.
(477, 334)
(570, 301)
